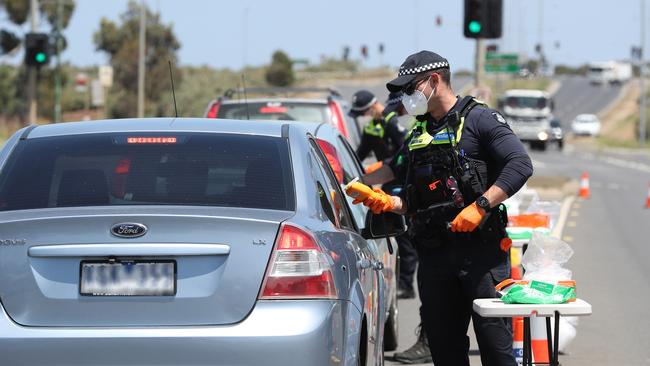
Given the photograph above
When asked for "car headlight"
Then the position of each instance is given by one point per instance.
(543, 136)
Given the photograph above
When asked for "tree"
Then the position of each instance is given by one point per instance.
(280, 72)
(120, 42)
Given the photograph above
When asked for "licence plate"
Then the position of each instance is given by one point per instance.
(128, 278)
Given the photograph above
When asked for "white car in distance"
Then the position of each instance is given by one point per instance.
(585, 125)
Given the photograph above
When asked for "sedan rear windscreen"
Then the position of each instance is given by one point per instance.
(285, 111)
(148, 169)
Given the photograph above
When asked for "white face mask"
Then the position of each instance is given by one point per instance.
(417, 103)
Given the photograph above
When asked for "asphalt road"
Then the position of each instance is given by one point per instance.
(576, 95)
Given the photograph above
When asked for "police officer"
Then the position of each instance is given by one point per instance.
(463, 162)
(382, 133)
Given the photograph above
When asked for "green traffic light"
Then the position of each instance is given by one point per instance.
(474, 26)
(40, 57)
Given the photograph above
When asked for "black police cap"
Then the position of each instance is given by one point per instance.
(415, 64)
(361, 101)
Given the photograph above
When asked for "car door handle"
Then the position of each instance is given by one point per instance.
(377, 265)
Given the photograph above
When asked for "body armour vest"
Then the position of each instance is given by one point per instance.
(441, 179)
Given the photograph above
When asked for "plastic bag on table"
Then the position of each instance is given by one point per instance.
(545, 258)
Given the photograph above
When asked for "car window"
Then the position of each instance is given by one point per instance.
(351, 169)
(288, 111)
(148, 169)
(343, 218)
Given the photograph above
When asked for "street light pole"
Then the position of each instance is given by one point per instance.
(141, 70)
(642, 104)
(57, 90)
(31, 70)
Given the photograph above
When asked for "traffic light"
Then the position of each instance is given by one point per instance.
(8, 42)
(483, 18)
(364, 51)
(37, 49)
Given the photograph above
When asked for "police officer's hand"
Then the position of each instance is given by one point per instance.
(468, 219)
(379, 202)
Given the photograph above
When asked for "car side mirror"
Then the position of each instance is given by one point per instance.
(382, 225)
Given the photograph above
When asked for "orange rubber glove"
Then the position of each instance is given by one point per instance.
(379, 202)
(468, 219)
(374, 167)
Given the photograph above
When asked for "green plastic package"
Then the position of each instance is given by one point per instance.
(539, 293)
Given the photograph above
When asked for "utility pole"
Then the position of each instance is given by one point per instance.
(31, 70)
(642, 104)
(57, 81)
(479, 63)
(141, 70)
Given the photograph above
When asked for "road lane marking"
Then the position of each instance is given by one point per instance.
(567, 238)
(574, 214)
(564, 211)
(629, 164)
(571, 224)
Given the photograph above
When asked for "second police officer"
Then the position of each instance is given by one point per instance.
(382, 133)
(463, 162)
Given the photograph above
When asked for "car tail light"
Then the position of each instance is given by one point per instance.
(333, 158)
(213, 112)
(337, 118)
(298, 269)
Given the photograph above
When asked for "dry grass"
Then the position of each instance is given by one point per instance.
(620, 121)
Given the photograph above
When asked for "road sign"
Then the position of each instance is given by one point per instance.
(106, 76)
(502, 62)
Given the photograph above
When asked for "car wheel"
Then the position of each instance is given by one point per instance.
(391, 329)
(542, 146)
(560, 144)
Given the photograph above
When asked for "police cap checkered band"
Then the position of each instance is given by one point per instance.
(415, 64)
(419, 69)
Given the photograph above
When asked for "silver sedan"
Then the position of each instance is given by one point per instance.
(184, 242)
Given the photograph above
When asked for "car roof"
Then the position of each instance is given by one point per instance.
(165, 124)
(276, 100)
(586, 116)
(526, 93)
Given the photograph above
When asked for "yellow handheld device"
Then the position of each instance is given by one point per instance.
(358, 190)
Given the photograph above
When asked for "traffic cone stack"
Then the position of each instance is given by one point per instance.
(518, 339)
(539, 341)
(584, 185)
(647, 200)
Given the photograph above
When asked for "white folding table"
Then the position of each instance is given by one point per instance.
(495, 308)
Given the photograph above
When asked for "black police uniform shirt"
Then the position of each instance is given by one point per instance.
(383, 147)
(487, 137)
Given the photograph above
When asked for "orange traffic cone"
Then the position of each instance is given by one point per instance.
(518, 339)
(647, 200)
(584, 185)
(539, 341)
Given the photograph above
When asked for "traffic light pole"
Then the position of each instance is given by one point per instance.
(57, 90)
(479, 63)
(32, 71)
(642, 102)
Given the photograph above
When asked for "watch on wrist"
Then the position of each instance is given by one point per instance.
(483, 203)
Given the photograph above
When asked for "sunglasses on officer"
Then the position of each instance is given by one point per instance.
(410, 88)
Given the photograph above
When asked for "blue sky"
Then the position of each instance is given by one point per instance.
(230, 33)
